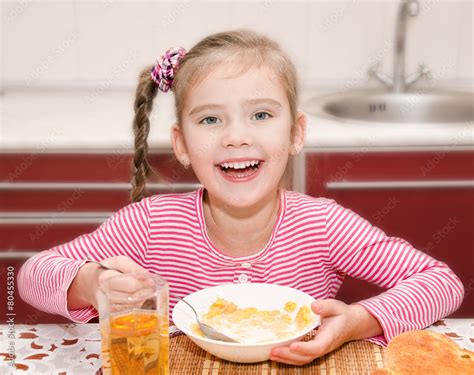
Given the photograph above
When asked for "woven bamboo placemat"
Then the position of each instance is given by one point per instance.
(354, 358)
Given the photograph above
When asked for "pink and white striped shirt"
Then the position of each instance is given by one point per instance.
(314, 243)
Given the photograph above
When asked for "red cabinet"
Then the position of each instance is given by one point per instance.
(424, 197)
(50, 198)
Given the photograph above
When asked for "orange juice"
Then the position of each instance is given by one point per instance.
(138, 344)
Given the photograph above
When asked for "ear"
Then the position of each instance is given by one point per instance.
(298, 134)
(179, 145)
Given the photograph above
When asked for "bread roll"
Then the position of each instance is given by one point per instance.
(426, 352)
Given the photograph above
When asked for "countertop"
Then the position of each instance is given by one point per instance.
(89, 119)
(75, 349)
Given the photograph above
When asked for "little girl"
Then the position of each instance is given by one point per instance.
(238, 126)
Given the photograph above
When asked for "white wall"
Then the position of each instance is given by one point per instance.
(46, 42)
(101, 45)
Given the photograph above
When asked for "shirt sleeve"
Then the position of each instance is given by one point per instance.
(420, 289)
(44, 280)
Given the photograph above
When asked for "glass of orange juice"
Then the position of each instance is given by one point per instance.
(133, 316)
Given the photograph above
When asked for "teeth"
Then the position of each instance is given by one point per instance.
(240, 165)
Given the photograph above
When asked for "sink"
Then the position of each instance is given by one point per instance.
(391, 107)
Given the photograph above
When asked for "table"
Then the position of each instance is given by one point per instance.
(63, 349)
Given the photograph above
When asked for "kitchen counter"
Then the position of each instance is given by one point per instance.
(99, 119)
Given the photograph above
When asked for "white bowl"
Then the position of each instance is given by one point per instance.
(261, 296)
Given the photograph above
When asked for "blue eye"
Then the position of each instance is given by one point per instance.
(214, 119)
(260, 117)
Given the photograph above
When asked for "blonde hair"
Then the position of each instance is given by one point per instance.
(241, 49)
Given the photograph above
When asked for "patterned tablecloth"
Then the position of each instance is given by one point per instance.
(75, 349)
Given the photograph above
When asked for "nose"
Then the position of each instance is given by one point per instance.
(237, 134)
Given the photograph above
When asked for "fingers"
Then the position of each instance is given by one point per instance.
(286, 355)
(121, 296)
(127, 284)
(124, 264)
(127, 266)
(328, 307)
(126, 289)
(320, 345)
(302, 352)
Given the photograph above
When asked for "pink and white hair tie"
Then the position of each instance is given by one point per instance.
(166, 67)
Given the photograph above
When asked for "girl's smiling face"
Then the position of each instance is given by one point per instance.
(234, 120)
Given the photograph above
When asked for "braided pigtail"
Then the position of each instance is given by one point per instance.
(145, 93)
(159, 77)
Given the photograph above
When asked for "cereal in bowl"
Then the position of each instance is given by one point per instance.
(250, 325)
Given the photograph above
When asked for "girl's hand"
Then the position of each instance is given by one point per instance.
(126, 286)
(83, 290)
(340, 323)
(123, 287)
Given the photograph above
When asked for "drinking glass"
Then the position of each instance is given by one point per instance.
(133, 316)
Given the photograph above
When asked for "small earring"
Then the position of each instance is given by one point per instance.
(186, 163)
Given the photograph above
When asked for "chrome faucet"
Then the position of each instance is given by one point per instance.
(399, 82)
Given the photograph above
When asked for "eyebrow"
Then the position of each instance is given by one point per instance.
(201, 108)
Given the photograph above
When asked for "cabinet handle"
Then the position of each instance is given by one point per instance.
(378, 185)
(7, 254)
(95, 186)
(52, 218)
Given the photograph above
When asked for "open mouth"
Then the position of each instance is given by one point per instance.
(241, 169)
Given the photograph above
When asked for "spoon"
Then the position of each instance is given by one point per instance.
(209, 331)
